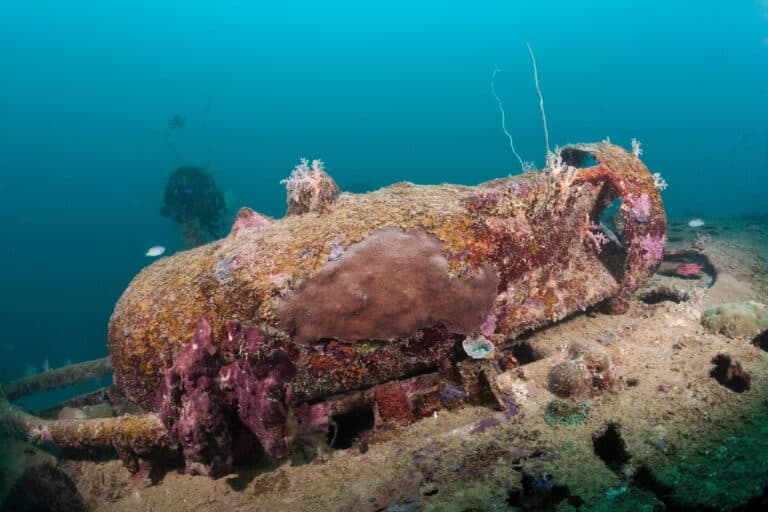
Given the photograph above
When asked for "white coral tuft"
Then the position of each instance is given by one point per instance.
(310, 188)
(304, 177)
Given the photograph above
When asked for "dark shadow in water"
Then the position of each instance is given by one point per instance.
(610, 447)
(44, 488)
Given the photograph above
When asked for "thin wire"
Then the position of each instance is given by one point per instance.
(335, 432)
(504, 118)
(541, 98)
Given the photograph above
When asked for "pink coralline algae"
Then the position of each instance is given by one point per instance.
(192, 406)
(653, 247)
(249, 219)
(641, 207)
(41, 435)
(199, 393)
(489, 326)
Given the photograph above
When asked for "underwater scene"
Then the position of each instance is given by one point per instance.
(383, 256)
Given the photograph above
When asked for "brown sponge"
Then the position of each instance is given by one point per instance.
(389, 285)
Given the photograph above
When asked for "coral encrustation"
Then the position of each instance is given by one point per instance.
(350, 291)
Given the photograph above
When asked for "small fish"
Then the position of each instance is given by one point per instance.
(177, 122)
(695, 223)
(155, 251)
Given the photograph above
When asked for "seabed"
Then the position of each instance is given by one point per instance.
(683, 429)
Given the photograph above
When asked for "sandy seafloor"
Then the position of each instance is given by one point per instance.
(677, 439)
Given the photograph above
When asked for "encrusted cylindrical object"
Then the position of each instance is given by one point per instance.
(259, 333)
(396, 265)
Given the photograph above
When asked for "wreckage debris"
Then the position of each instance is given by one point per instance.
(362, 302)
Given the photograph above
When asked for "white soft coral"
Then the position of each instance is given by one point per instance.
(309, 188)
(304, 177)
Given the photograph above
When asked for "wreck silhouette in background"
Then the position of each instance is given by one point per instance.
(193, 200)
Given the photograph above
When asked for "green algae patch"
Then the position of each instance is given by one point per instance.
(560, 413)
(368, 346)
(737, 320)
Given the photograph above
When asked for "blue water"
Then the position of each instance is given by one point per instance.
(381, 91)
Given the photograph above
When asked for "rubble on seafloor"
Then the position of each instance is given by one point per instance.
(649, 410)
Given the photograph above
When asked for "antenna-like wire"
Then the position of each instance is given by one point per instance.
(504, 118)
(541, 98)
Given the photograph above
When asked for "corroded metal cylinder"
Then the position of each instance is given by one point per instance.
(348, 276)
